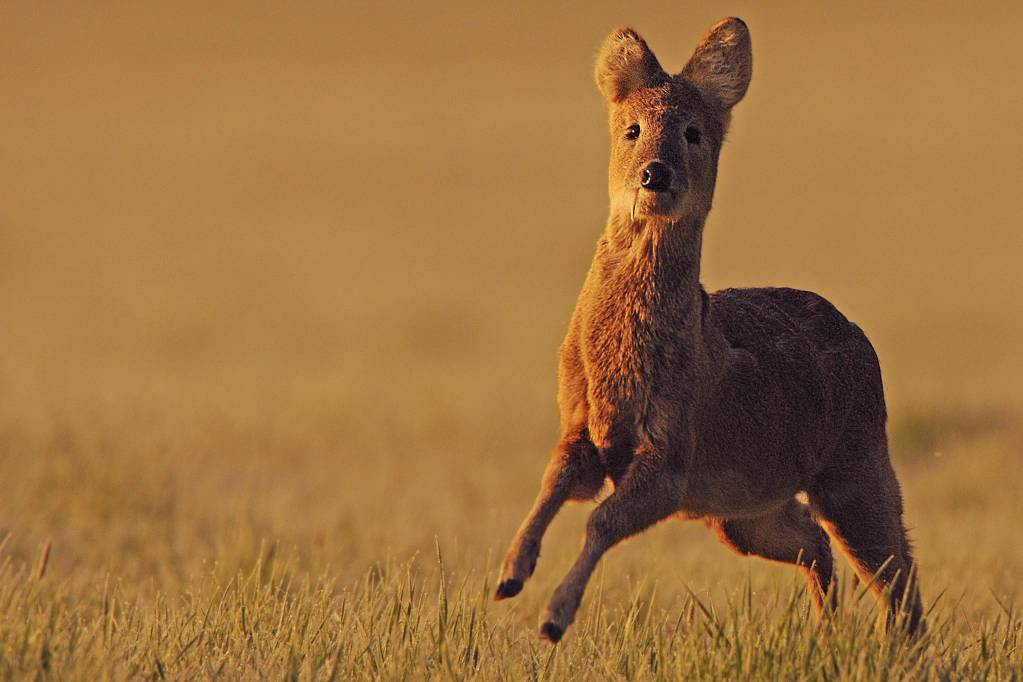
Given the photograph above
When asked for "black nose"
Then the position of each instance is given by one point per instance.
(656, 177)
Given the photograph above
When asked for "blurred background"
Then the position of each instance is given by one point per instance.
(271, 273)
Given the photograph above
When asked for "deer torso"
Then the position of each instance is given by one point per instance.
(738, 393)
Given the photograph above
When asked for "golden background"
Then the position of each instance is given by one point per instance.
(299, 273)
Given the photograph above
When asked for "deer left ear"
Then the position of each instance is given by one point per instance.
(723, 62)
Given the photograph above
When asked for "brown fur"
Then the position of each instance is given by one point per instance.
(722, 407)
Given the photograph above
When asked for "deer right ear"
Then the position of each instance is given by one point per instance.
(625, 65)
(723, 62)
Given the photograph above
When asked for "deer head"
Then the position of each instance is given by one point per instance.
(666, 131)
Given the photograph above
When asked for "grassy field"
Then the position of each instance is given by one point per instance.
(280, 295)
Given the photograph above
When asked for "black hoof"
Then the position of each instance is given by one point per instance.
(551, 632)
(508, 588)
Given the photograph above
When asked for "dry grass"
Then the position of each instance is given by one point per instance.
(279, 301)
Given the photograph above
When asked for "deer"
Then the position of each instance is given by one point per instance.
(759, 411)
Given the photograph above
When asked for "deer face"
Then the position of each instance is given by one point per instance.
(666, 131)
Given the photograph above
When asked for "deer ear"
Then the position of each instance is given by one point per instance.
(723, 62)
(625, 65)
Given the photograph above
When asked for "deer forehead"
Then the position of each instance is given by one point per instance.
(674, 101)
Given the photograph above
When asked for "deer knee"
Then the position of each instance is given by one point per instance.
(599, 527)
(575, 466)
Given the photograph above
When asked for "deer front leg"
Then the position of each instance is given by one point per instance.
(645, 497)
(573, 473)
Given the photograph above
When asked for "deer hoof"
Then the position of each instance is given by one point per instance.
(508, 588)
(551, 632)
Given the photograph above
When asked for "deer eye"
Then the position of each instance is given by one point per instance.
(632, 132)
(692, 135)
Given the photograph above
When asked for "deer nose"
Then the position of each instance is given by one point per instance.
(656, 177)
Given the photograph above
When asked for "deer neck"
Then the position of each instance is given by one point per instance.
(653, 268)
(646, 327)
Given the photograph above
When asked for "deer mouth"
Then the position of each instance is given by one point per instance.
(646, 202)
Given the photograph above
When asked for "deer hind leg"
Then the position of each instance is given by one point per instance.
(789, 535)
(860, 505)
(644, 497)
(573, 473)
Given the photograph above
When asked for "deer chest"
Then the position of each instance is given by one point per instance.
(620, 373)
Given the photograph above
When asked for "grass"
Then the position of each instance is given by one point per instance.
(397, 622)
(135, 555)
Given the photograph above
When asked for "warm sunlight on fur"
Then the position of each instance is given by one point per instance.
(723, 406)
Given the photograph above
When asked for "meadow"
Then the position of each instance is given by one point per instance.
(280, 298)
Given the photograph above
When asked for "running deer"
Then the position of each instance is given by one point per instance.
(722, 407)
